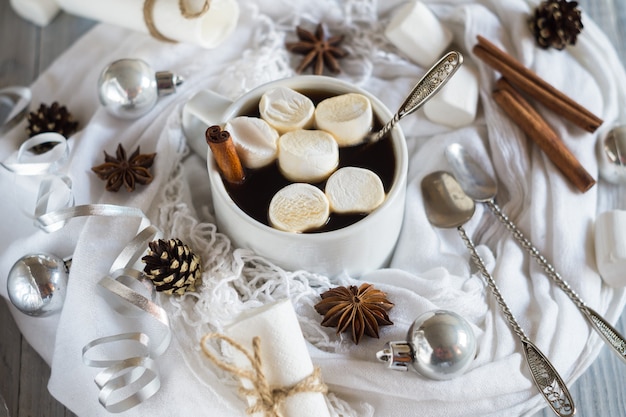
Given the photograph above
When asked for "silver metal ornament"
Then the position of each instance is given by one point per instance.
(440, 345)
(37, 284)
(129, 88)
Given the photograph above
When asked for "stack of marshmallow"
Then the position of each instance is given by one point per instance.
(305, 139)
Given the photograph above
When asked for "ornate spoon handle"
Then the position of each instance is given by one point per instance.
(546, 378)
(610, 335)
(608, 332)
(548, 381)
(426, 87)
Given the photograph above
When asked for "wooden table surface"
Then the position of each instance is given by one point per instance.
(26, 50)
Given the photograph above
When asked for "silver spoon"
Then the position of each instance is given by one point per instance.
(612, 155)
(434, 79)
(481, 187)
(447, 206)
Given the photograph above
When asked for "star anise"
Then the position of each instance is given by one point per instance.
(361, 309)
(318, 50)
(118, 170)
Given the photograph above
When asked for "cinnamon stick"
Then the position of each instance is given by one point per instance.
(537, 129)
(536, 87)
(225, 154)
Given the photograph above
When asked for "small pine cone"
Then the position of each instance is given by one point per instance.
(556, 23)
(53, 118)
(172, 266)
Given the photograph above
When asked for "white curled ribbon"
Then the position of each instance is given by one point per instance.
(127, 381)
(48, 166)
(131, 376)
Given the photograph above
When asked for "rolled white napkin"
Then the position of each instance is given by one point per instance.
(207, 30)
(284, 355)
(39, 12)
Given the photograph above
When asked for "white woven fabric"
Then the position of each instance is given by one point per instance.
(430, 268)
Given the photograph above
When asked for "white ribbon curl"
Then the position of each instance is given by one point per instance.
(129, 380)
(133, 377)
(47, 165)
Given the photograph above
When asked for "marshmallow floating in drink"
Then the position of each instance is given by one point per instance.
(307, 155)
(348, 117)
(285, 109)
(354, 190)
(255, 140)
(298, 207)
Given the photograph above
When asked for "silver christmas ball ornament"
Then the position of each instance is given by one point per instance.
(37, 284)
(129, 88)
(440, 345)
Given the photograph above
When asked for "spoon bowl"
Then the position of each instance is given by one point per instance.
(474, 180)
(446, 205)
(612, 155)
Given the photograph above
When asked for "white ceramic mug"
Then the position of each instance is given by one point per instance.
(355, 249)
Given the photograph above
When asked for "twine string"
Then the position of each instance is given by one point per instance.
(267, 400)
(185, 11)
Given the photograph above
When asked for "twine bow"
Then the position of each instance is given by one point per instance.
(148, 15)
(267, 400)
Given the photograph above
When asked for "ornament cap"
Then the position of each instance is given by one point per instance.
(397, 355)
(167, 82)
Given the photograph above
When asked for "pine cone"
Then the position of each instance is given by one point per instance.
(556, 23)
(172, 266)
(54, 118)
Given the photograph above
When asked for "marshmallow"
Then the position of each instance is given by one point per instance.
(39, 12)
(348, 117)
(610, 239)
(417, 32)
(455, 104)
(285, 109)
(307, 155)
(298, 207)
(255, 140)
(354, 190)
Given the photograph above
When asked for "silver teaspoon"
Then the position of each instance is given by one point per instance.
(447, 206)
(434, 79)
(612, 155)
(481, 187)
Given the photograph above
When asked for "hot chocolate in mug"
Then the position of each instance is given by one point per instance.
(355, 249)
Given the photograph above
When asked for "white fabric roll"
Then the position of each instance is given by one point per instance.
(208, 30)
(284, 354)
(39, 12)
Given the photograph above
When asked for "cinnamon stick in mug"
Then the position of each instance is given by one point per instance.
(537, 129)
(225, 154)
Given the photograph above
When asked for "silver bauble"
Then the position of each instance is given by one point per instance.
(440, 345)
(129, 88)
(37, 284)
